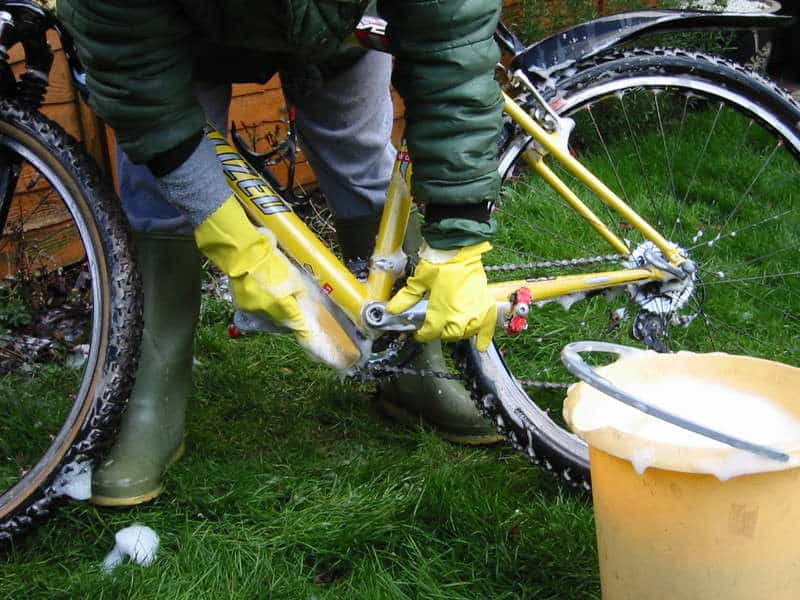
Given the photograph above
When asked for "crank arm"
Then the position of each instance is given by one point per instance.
(377, 317)
(511, 315)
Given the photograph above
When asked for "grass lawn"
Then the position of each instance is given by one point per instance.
(293, 486)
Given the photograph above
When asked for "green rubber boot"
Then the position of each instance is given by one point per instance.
(152, 430)
(443, 404)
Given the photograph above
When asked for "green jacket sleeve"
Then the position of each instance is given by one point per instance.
(139, 70)
(446, 57)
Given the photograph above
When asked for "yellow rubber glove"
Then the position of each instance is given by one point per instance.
(459, 304)
(261, 278)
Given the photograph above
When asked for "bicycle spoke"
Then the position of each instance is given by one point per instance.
(764, 166)
(553, 234)
(743, 139)
(612, 163)
(770, 254)
(756, 299)
(21, 222)
(738, 232)
(631, 134)
(754, 278)
(699, 160)
(734, 340)
(634, 139)
(667, 157)
(678, 145)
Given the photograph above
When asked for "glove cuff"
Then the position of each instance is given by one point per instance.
(440, 257)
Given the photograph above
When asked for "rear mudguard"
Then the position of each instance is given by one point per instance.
(562, 50)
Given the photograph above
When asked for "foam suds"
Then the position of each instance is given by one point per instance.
(646, 441)
(139, 543)
(74, 481)
(741, 6)
(719, 407)
(316, 341)
(565, 301)
(318, 344)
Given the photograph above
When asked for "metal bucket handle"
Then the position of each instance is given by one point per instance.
(571, 358)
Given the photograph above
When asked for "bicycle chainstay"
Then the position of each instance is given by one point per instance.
(384, 369)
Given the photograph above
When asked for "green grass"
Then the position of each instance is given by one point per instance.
(38, 404)
(293, 486)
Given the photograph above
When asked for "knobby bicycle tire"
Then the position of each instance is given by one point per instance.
(707, 83)
(116, 311)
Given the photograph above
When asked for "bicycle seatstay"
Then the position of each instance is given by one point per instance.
(592, 182)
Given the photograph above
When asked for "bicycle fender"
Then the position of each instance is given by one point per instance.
(562, 50)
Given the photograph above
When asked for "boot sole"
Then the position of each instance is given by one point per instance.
(410, 419)
(123, 501)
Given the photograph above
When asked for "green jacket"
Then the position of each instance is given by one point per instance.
(141, 57)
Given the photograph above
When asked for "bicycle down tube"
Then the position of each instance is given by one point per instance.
(268, 209)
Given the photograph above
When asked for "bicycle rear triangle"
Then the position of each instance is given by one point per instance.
(680, 516)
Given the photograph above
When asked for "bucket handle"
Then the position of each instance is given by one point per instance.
(571, 358)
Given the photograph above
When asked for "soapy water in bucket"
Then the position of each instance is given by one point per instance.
(720, 407)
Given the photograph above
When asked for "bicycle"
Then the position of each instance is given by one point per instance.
(557, 95)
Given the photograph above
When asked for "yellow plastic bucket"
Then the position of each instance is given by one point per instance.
(696, 519)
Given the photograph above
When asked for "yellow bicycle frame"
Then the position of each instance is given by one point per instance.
(266, 208)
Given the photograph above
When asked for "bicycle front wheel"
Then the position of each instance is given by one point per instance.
(708, 153)
(70, 317)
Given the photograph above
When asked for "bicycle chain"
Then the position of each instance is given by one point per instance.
(566, 262)
(385, 370)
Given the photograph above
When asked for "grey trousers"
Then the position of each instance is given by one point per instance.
(344, 129)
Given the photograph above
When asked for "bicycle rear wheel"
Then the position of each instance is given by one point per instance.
(708, 153)
(70, 317)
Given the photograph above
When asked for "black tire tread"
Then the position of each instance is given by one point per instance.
(118, 366)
